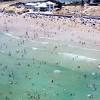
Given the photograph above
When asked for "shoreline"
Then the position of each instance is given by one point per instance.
(71, 30)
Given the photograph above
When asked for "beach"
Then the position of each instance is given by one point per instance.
(80, 31)
(49, 57)
(56, 34)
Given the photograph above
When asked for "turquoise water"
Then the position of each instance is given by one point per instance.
(45, 70)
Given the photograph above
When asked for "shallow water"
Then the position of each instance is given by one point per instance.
(45, 70)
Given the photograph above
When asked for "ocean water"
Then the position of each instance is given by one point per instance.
(47, 70)
(68, 1)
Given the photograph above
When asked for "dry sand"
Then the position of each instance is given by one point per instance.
(86, 10)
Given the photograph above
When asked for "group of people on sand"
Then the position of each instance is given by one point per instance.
(50, 26)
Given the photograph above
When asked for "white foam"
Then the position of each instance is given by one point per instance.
(57, 71)
(48, 38)
(93, 73)
(34, 48)
(12, 36)
(79, 57)
(99, 66)
(83, 48)
(2, 51)
(44, 43)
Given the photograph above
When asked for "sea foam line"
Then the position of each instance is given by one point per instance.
(83, 48)
(12, 36)
(48, 38)
(77, 56)
(34, 48)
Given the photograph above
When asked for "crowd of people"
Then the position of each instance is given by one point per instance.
(53, 28)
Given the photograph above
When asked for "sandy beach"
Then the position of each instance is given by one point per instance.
(75, 30)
